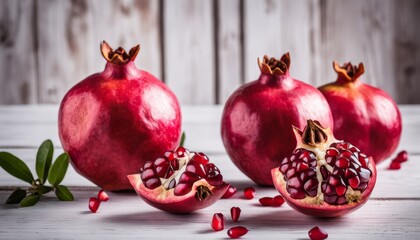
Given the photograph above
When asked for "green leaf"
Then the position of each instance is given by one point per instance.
(30, 200)
(43, 159)
(41, 189)
(16, 196)
(58, 169)
(181, 144)
(16, 167)
(63, 193)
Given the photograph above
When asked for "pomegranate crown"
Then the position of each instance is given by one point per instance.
(119, 56)
(314, 135)
(348, 71)
(273, 66)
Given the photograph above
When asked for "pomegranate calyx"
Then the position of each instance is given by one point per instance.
(314, 134)
(202, 192)
(273, 66)
(119, 56)
(348, 72)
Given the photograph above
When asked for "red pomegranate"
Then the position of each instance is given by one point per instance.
(112, 122)
(257, 116)
(179, 182)
(363, 115)
(324, 177)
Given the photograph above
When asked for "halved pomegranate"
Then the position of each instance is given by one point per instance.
(324, 177)
(179, 182)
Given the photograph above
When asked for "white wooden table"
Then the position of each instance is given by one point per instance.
(393, 210)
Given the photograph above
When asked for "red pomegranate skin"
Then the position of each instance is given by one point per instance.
(257, 117)
(112, 122)
(364, 115)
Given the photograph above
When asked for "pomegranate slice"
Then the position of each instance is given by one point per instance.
(324, 177)
(179, 182)
(316, 233)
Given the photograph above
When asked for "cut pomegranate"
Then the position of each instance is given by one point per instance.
(179, 182)
(230, 192)
(278, 201)
(266, 201)
(235, 213)
(237, 232)
(249, 193)
(103, 196)
(401, 157)
(317, 233)
(324, 177)
(94, 204)
(218, 222)
(394, 165)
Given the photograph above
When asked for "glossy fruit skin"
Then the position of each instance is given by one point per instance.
(112, 122)
(256, 118)
(364, 115)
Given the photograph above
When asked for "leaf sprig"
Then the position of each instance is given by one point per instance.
(45, 170)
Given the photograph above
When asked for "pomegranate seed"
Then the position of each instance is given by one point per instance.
(317, 233)
(235, 212)
(249, 193)
(278, 201)
(266, 201)
(218, 222)
(395, 165)
(237, 232)
(103, 196)
(94, 204)
(230, 192)
(401, 157)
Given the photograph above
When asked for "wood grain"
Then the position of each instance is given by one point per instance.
(189, 50)
(18, 65)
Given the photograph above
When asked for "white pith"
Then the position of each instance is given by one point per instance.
(183, 161)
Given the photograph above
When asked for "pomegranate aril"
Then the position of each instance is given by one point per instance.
(330, 199)
(94, 204)
(354, 182)
(169, 155)
(200, 158)
(296, 194)
(103, 196)
(249, 193)
(152, 183)
(188, 177)
(394, 165)
(363, 159)
(283, 168)
(341, 200)
(342, 163)
(147, 174)
(290, 173)
(345, 154)
(294, 182)
(266, 201)
(302, 167)
(181, 152)
(278, 201)
(311, 187)
(324, 172)
(401, 156)
(235, 213)
(196, 168)
(317, 233)
(148, 165)
(350, 172)
(182, 188)
(161, 167)
(215, 181)
(236, 232)
(218, 222)
(362, 186)
(340, 190)
(331, 152)
(364, 175)
(229, 192)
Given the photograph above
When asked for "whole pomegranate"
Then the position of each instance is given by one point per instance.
(179, 182)
(324, 177)
(256, 117)
(112, 122)
(363, 115)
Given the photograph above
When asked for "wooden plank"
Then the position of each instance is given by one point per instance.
(70, 34)
(189, 50)
(277, 27)
(406, 47)
(360, 31)
(229, 48)
(18, 52)
(125, 216)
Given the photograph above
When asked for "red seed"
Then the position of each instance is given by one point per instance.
(266, 201)
(230, 192)
(249, 193)
(235, 212)
(94, 204)
(218, 222)
(401, 157)
(394, 165)
(317, 233)
(237, 232)
(103, 196)
(278, 201)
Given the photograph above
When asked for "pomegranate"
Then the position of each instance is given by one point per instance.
(255, 115)
(112, 122)
(218, 222)
(363, 115)
(316, 233)
(237, 232)
(179, 182)
(324, 177)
